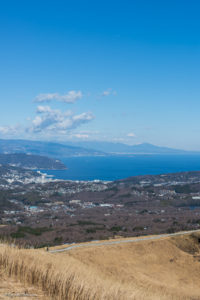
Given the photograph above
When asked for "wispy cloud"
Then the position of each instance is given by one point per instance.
(70, 97)
(50, 122)
(9, 130)
(131, 134)
(56, 121)
(108, 92)
(81, 136)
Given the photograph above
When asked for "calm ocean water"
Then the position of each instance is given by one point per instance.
(112, 168)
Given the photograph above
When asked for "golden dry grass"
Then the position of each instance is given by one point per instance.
(161, 269)
(10, 288)
(115, 239)
(61, 277)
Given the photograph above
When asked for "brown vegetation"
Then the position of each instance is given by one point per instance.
(10, 288)
(60, 276)
(168, 268)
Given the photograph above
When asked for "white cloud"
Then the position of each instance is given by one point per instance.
(70, 97)
(108, 92)
(49, 122)
(46, 97)
(9, 130)
(56, 121)
(43, 109)
(81, 136)
(131, 134)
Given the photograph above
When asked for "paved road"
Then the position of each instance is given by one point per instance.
(133, 240)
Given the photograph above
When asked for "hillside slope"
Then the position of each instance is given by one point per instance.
(29, 161)
(166, 269)
(149, 269)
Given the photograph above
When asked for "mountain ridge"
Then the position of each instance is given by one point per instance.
(83, 148)
(50, 149)
(120, 148)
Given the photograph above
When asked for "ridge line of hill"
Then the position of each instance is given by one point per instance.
(123, 241)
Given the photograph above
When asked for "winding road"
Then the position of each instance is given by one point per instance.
(133, 240)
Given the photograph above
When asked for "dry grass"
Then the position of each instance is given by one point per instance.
(160, 269)
(10, 288)
(61, 277)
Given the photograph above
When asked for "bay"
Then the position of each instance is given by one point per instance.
(119, 167)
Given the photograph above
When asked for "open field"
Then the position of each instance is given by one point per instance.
(167, 268)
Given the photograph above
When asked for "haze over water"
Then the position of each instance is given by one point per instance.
(115, 167)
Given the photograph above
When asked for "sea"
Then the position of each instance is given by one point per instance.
(111, 168)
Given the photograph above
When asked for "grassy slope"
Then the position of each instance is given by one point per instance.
(11, 288)
(161, 269)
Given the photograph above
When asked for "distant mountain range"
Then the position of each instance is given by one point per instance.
(50, 149)
(93, 148)
(28, 161)
(120, 148)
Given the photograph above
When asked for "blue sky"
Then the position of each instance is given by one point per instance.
(125, 71)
